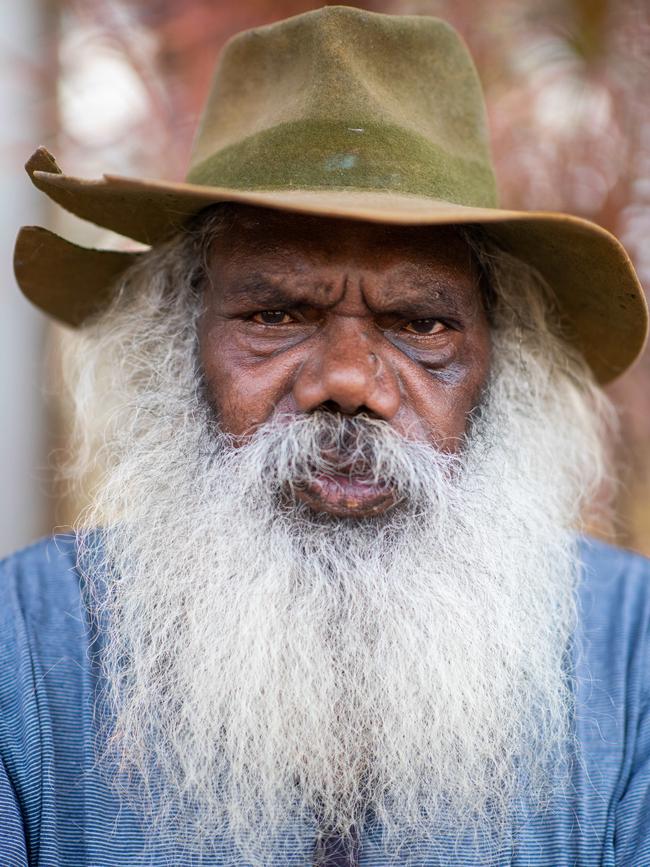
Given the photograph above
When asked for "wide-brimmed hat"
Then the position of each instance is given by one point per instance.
(350, 114)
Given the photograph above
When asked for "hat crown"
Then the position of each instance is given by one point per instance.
(341, 98)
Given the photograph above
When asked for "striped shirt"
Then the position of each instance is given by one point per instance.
(57, 810)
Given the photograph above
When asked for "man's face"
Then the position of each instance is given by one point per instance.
(305, 313)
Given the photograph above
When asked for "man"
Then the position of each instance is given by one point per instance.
(328, 604)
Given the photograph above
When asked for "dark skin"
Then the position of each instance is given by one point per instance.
(307, 313)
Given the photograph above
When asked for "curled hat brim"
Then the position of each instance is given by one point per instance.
(598, 293)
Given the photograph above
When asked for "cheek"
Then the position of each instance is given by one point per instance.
(438, 404)
(245, 391)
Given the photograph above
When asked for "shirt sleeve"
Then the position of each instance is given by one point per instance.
(632, 835)
(13, 849)
(632, 823)
(19, 752)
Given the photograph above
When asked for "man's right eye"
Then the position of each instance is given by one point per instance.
(271, 317)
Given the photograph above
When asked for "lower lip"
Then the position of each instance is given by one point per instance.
(346, 497)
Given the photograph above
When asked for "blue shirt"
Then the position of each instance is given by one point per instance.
(56, 809)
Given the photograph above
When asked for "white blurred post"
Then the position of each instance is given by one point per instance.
(23, 427)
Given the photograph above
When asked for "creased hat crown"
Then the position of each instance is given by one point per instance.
(343, 99)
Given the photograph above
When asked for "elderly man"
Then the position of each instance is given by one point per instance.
(329, 604)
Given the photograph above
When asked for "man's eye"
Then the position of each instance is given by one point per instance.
(425, 326)
(271, 317)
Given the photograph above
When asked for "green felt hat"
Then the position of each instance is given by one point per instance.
(351, 114)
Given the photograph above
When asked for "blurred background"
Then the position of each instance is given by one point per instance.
(117, 86)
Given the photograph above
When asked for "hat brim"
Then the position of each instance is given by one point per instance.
(598, 293)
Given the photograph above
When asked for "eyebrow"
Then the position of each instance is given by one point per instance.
(274, 291)
(425, 294)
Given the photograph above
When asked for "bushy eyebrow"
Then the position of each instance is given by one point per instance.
(424, 297)
(272, 292)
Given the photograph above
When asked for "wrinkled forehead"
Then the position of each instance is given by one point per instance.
(302, 246)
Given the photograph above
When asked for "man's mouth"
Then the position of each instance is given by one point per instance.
(347, 494)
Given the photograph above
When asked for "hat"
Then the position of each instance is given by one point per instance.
(341, 113)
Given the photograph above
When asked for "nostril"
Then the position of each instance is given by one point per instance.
(329, 406)
(333, 407)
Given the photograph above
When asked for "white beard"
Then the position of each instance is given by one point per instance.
(262, 662)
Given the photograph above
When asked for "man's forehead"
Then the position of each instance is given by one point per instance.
(263, 242)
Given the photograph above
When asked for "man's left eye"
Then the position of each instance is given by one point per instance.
(425, 326)
(271, 317)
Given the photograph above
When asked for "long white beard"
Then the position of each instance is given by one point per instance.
(263, 663)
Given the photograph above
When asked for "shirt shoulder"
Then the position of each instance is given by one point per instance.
(42, 615)
(615, 586)
(613, 640)
(40, 580)
(43, 637)
(44, 629)
(605, 560)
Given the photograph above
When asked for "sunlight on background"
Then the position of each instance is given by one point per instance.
(100, 95)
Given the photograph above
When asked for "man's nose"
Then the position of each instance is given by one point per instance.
(348, 369)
